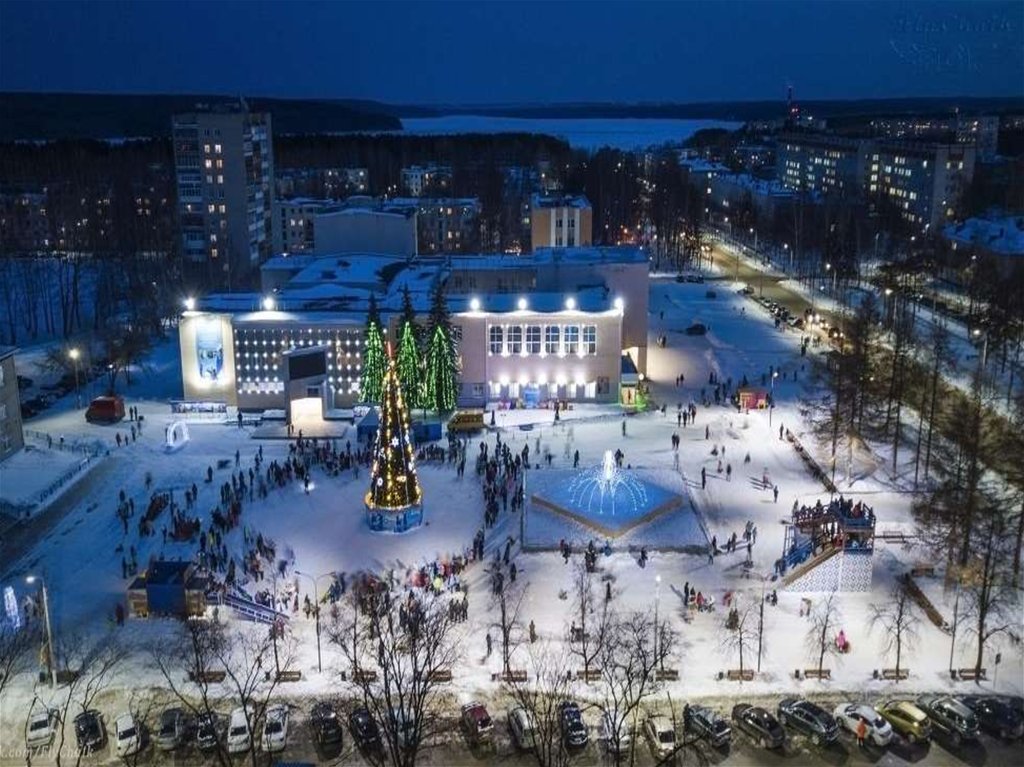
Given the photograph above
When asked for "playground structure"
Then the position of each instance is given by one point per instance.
(829, 547)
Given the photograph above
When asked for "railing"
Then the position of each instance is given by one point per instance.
(91, 449)
(246, 607)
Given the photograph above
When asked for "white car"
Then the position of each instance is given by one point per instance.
(275, 729)
(42, 728)
(524, 731)
(239, 735)
(606, 733)
(661, 734)
(850, 715)
(127, 735)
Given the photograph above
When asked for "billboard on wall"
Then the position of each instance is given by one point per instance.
(210, 349)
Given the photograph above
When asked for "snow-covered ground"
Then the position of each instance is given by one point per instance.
(325, 530)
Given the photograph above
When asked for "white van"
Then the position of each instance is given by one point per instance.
(239, 735)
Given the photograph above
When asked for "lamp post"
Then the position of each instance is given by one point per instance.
(74, 354)
(50, 652)
(771, 405)
(316, 613)
(657, 599)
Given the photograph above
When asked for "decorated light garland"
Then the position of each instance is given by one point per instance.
(394, 485)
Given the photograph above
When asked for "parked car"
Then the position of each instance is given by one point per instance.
(405, 728)
(173, 729)
(574, 731)
(606, 733)
(697, 329)
(949, 717)
(995, 715)
(907, 719)
(711, 294)
(41, 729)
(758, 724)
(275, 729)
(747, 290)
(809, 719)
(477, 722)
(697, 278)
(364, 730)
(127, 735)
(850, 715)
(327, 731)
(707, 723)
(208, 727)
(661, 735)
(107, 409)
(523, 728)
(239, 733)
(89, 731)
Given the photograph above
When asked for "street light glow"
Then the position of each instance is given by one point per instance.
(268, 303)
(73, 354)
(522, 304)
(570, 303)
(190, 303)
(619, 303)
(474, 304)
(30, 579)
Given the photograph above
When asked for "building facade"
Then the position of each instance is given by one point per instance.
(12, 438)
(925, 183)
(560, 221)
(430, 179)
(294, 220)
(24, 225)
(822, 164)
(366, 230)
(224, 165)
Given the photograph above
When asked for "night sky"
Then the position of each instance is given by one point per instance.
(517, 52)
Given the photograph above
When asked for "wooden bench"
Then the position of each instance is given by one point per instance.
(735, 675)
(361, 676)
(440, 675)
(289, 676)
(593, 675)
(813, 673)
(208, 677)
(890, 674)
(511, 676)
(666, 674)
(922, 570)
(970, 674)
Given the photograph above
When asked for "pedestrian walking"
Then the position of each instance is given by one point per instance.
(533, 632)
(775, 492)
(607, 591)
(488, 644)
(862, 731)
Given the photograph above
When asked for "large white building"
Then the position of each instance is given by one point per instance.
(565, 324)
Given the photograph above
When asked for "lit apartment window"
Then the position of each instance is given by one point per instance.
(495, 339)
(551, 337)
(213, 252)
(533, 339)
(217, 148)
(220, 179)
(572, 339)
(222, 208)
(208, 163)
(206, 148)
(210, 208)
(590, 339)
(515, 339)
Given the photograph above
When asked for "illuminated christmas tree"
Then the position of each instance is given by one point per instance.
(441, 387)
(410, 363)
(393, 482)
(373, 357)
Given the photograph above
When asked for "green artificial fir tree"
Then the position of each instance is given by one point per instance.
(441, 387)
(373, 356)
(410, 372)
(394, 485)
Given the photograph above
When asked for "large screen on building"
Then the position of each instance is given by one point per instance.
(307, 365)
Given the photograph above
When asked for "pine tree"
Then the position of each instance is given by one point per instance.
(410, 362)
(373, 356)
(393, 481)
(442, 368)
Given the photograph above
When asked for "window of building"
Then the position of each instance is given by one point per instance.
(572, 339)
(515, 339)
(217, 148)
(551, 336)
(495, 335)
(590, 339)
(533, 339)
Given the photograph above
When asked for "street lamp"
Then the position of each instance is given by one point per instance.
(50, 652)
(74, 354)
(657, 599)
(771, 405)
(316, 613)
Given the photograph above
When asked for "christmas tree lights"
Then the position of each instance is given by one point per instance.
(410, 363)
(441, 387)
(394, 485)
(373, 357)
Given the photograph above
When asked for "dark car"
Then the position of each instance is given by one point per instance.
(949, 717)
(364, 730)
(326, 727)
(697, 329)
(89, 731)
(809, 719)
(995, 716)
(707, 724)
(574, 731)
(173, 729)
(208, 730)
(758, 724)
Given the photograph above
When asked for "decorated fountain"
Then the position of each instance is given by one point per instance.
(607, 498)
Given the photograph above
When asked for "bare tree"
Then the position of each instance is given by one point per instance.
(509, 603)
(898, 621)
(397, 654)
(635, 647)
(586, 635)
(992, 603)
(740, 631)
(15, 651)
(549, 683)
(825, 617)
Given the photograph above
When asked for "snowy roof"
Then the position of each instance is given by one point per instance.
(1003, 235)
(305, 202)
(288, 262)
(394, 213)
(349, 269)
(6, 351)
(757, 185)
(588, 300)
(579, 256)
(560, 201)
(698, 165)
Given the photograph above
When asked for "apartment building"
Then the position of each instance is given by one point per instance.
(12, 439)
(924, 182)
(560, 221)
